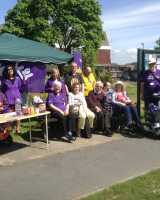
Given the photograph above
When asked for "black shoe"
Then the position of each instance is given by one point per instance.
(139, 125)
(126, 128)
(108, 132)
(69, 136)
(74, 135)
(74, 138)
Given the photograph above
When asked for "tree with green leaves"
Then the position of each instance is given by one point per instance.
(68, 23)
(157, 47)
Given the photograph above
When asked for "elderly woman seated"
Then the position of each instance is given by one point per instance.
(79, 110)
(123, 103)
(58, 104)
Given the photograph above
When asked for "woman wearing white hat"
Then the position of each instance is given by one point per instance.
(124, 103)
(150, 83)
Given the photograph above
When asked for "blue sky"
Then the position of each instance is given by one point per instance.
(128, 24)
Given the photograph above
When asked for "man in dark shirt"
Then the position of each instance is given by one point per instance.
(74, 77)
(94, 100)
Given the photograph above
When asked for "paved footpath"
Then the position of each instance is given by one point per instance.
(72, 174)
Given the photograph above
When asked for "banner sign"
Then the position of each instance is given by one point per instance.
(78, 58)
(33, 75)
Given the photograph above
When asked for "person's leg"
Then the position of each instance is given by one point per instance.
(90, 116)
(72, 122)
(135, 114)
(82, 118)
(128, 114)
(107, 123)
(100, 121)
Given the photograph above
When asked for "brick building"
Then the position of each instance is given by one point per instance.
(103, 54)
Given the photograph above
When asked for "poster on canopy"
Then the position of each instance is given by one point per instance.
(77, 57)
(33, 75)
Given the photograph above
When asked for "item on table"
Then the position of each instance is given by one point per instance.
(42, 107)
(25, 110)
(37, 110)
(37, 100)
(32, 111)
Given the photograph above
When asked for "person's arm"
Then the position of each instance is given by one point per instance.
(66, 112)
(83, 88)
(5, 104)
(54, 108)
(21, 84)
(48, 87)
(114, 99)
(81, 82)
(91, 103)
(66, 88)
(128, 100)
(51, 106)
(70, 98)
(83, 100)
(3, 86)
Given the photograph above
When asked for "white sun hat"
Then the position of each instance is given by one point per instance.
(152, 60)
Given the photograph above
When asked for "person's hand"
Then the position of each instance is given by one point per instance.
(1, 108)
(66, 112)
(61, 112)
(128, 102)
(98, 109)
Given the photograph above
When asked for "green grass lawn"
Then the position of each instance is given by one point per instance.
(145, 187)
(24, 135)
(131, 88)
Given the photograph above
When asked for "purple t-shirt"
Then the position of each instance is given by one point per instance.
(60, 101)
(151, 82)
(49, 85)
(11, 89)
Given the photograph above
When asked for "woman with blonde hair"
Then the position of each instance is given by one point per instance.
(55, 76)
(78, 106)
(123, 103)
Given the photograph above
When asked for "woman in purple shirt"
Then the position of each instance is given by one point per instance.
(150, 83)
(55, 76)
(11, 87)
(57, 103)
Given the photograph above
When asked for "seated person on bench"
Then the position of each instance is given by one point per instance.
(57, 103)
(123, 103)
(150, 84)
(78, 107)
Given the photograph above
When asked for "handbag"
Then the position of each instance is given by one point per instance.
(74, 109)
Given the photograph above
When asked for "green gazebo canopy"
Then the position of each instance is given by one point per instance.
(13, 48)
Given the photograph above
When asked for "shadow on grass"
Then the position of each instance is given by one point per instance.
(55, 133)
